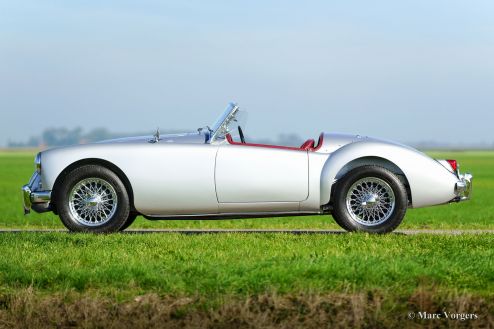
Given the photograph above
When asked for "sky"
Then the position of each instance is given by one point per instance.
(410, 71)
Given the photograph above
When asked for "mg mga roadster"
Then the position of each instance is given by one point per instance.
(365, 184)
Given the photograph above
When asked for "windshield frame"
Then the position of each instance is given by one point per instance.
(223, 121)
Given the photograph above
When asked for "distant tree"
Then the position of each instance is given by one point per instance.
(33, 141)
(97, 134)
(61, 136)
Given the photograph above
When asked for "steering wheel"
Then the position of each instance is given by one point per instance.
(241, 133)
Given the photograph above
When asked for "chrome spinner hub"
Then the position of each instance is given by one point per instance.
(93, 201)
(370, 200)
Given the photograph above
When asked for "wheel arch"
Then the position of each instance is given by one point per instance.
(100, 162)
(375, 161)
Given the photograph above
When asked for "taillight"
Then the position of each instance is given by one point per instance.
(453, 164)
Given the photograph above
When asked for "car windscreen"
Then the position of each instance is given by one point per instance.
(217, 124)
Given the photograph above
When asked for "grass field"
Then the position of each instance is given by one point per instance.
(240, 280)
(248, 280)
(285, 263)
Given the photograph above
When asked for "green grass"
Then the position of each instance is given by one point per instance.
(245, 264)
(16, 169)
(346, 280)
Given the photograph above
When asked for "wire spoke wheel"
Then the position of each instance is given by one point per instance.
(370, 201)
(93, 201)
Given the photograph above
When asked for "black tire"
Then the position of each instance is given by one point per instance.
(369, 178)
(132, 217)
(112, 188)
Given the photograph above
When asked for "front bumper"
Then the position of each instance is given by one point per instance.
(33, 197)
(463, 188)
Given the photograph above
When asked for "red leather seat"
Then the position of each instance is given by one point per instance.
(309, 144)
(319, 142)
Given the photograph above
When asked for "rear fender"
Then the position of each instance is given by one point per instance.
(429, 182)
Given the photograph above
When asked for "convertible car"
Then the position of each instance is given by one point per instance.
(366, 184)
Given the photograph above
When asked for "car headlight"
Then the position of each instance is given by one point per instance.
(37, 163)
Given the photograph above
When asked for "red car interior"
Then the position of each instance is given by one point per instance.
(308, 145)
(319, 142)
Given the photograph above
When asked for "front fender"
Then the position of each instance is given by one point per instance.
(430, 183)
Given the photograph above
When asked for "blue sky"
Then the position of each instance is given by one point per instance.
(403, 70)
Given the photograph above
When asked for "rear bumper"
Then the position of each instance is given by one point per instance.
(34, 198)
(463, 188)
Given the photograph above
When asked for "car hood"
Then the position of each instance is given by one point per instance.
(182, 138)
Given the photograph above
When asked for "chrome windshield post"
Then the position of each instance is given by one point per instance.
(219, 128)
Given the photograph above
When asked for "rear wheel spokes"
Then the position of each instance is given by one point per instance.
(370, 201)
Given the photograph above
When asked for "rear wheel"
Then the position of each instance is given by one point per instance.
(132, 217)
(369, 199)
(93, 199)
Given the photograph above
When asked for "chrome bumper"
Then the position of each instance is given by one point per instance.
(463, 188)
(33, 197)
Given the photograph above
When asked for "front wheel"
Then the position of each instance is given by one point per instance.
(369, 199)
(93, 199)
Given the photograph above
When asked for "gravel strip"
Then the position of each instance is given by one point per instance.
(223, 231)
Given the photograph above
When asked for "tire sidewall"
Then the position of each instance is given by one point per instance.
(132, 217)
(92, 171)
(340, 209)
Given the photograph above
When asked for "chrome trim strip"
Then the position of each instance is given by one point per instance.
(37, 163)
(235, 215)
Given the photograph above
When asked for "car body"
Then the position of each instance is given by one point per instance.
(207, 174)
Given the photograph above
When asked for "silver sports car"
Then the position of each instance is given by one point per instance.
(366, 184)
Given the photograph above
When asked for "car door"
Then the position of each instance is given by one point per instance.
(253, 174)
(172, 179)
